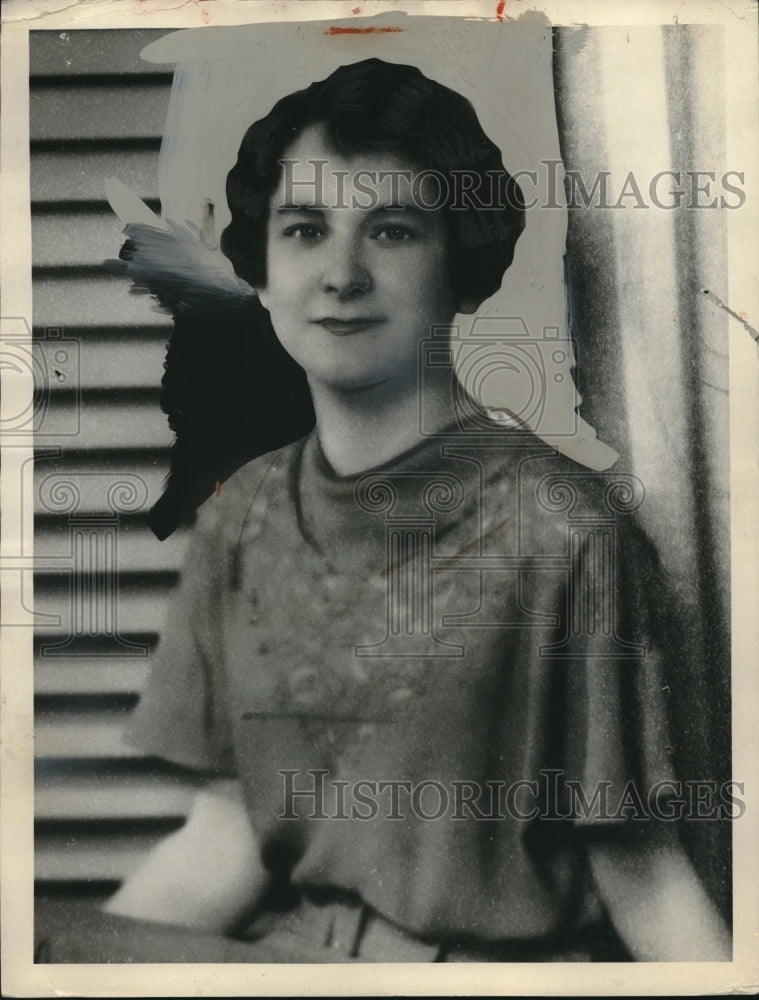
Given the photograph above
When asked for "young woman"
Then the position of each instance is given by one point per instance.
(416, 655)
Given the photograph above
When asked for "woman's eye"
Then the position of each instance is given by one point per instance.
(304, 231)
(394, 233)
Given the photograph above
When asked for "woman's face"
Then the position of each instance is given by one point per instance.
(356, 269)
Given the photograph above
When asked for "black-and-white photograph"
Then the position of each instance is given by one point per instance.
(378, 569)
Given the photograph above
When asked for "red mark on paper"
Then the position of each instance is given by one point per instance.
(205, 16)
(218, 487)
(356, 10)
(339, 30)
(500, 9)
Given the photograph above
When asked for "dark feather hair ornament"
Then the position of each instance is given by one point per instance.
(229, 389)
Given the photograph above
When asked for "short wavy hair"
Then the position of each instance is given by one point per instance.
(375, 106)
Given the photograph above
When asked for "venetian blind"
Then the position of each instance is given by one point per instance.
(102, 580)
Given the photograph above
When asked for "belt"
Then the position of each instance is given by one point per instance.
(346, 928)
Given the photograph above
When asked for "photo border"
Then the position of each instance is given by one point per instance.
(20, 976)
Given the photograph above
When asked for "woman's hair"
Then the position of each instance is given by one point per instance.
(374, 106)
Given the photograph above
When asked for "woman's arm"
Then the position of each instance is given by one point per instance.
(207, 875)
(658, 905)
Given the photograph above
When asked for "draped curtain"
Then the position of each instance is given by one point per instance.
(651, 345)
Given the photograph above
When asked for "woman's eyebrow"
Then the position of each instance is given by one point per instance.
(404, 210)
(299, 209)
(400, 208)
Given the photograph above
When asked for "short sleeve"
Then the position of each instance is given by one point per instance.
(183, 715)
(621, 739)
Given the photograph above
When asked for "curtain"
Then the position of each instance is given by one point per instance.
(651, 345)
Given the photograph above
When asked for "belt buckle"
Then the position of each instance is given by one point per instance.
(357, 931)
(383, 941)
(345, 927)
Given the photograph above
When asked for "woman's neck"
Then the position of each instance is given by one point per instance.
(360, 429)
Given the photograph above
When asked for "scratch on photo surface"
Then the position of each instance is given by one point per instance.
(253, 500)
(163, 10)
(459, 555)
(741, 319)
(474, 545)
(40, 13)
(337, 29)
(727, 7)
(306, 716)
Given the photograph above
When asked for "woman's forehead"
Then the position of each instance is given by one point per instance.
(311, 164)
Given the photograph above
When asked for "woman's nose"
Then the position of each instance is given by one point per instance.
(346, 273)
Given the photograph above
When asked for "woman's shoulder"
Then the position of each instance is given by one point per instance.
(553, 496)
(252, 485)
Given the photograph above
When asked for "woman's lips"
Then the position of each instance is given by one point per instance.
(345, 327)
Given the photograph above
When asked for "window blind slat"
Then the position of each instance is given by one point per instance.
(80, 737)
(118, 366)
(98, 238)
(106, 426)
(78, 175)
(85, 797)
(138, 550)
(93, 301)
(108, 112)
(90, 476)
(139, 610)
(63, 858)
(72, 675)
(73, 53)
